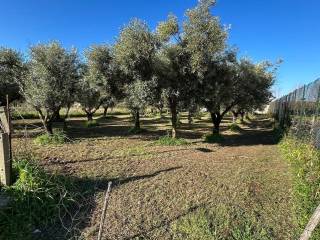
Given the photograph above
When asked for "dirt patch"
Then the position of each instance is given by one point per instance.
(158, 191)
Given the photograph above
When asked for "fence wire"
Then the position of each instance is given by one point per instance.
(300, 111)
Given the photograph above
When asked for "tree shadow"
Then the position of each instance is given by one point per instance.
(77, 216)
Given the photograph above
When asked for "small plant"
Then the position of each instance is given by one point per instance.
(213, 138)
(36, 200)
(235, 127)
(92, 123)
(169, 141)
(57, 138)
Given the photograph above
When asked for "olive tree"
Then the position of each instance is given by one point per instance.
(134, 52)
(11, 72)
(173, 67)
(109, 102)
(138, 97)
(97, 83)
(257, 80)
(52, 74)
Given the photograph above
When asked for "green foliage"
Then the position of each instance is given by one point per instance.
(57, 138)
(167, 29)
(135, 50)
(204, 36)
(304, 160)
(36, 199)
(169, 141)
(91, 123)
(235, 127)
(12, 70)
(24, 115)
(213, 138)
(51, 79)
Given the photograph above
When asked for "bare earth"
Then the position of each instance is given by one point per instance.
(239, 189)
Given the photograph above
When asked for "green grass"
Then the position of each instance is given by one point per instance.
(213, 138)
(169, 141)
(221, 222)
(90, 124)
(235, 128)
(57, 138)
(304, 161)
(24, 115)
(36, 199)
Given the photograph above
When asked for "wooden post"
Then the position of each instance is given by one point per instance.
(314, 221)
(5, 147)
(5, 171)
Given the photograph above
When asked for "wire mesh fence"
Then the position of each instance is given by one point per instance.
(300, 112)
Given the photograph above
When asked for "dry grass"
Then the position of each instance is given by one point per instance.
(239, 189)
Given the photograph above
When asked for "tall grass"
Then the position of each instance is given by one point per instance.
(304, 161)
(169, 141)
(35, 201)
(57, 138)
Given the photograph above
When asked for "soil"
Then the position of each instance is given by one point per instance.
(156, 189)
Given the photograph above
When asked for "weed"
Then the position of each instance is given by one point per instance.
(57, 138)
(129, 152)
(169, 141)
(304, 160)
(235, 128)
(213, 138)
(92, 123)
(36, 199)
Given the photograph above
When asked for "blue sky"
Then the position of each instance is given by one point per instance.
(273, 29)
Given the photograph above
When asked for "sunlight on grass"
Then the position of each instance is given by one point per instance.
(169, 141)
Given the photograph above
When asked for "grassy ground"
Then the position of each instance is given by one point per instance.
(237, 189)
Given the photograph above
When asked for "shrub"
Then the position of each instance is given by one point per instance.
(169, 141)
(92, 123)
(304, 161)
(213, 138)
(235, 127)
(36, 198)
(57, 138)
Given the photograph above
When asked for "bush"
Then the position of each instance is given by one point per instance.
(304, 161)
(169, 141)
(57, 138)
(235, 127)
(92, 123)
(36, 198)
(213, 138)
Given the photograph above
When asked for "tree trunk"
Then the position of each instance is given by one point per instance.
(89, 116)
(173, 110)
(234, 116)
(160, 111)
(48, 127)
(216, 120)
(189, 118)
(242, 116)
(57, 116)
(66, 117)
(137, 120)
(105, 111)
